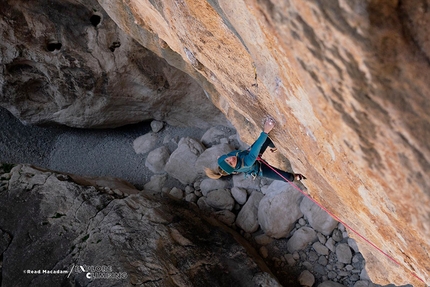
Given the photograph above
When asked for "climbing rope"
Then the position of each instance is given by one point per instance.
(339, 220)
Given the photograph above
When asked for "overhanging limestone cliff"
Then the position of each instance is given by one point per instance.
(347, 85)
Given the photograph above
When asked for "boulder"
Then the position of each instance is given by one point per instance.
(157, 159)
(320, 248)
(330, 244)
(279, 209)
(319, 219)
(226, 217)
(157, 126)
(145, 143)
(301, 238)
(213, 136)
(182, 162)
(247, 219)
(191, 197)
(263, 239)
(343, 253)
(306, 279)
(239, 194)
(209, 184)
(220, 199)
(176, 193)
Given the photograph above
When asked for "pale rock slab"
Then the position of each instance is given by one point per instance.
(220, 199)
(301, 238)
(343, 253)
(279, 209)
(156, 159)
(212, 137)
(320, 248)
(239, 194)
(247, 219)
(209, 184)
(330, 244)
(181, 164)
(319, 219)
(145, 143)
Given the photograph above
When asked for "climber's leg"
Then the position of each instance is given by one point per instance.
(273, 173)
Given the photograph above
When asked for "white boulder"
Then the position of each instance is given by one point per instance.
(279, 209)
(320, 220)
(157, 159)
(181, 164)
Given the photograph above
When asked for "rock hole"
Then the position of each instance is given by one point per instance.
(114, 46)
(53, 46)
(95, 20)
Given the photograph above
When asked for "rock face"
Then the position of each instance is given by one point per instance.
(346, 82)
(69, 63)
(347, 85)
(136, 238)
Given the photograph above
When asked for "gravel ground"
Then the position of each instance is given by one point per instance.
(90, 152)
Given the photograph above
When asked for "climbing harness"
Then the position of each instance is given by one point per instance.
(339, 220)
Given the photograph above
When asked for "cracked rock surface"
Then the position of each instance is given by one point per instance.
(48, 222)
(67, 62)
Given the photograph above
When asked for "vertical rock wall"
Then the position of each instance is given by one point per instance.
(347, 83)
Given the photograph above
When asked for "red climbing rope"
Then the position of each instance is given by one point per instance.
(339, 220)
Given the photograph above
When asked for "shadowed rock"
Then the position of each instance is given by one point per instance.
(145, 241)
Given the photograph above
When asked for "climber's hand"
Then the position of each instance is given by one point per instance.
(269, 124)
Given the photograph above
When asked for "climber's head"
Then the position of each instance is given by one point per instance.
(226, 166)
(227, 163)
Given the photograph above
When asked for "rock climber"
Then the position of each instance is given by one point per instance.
(249, 162)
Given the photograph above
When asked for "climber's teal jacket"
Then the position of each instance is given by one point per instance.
(246, 160)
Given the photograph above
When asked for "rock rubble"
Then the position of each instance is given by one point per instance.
(289, 230)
